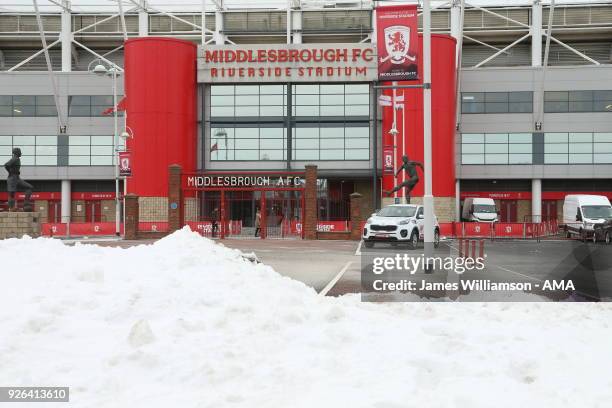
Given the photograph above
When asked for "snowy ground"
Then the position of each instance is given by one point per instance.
(188, 323)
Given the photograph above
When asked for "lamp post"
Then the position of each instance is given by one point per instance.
(101, 70)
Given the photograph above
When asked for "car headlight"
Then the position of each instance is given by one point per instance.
(405, 222)
(588, 225)
(369, 221)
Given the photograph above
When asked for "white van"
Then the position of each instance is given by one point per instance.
(479, 210)
(582, 212)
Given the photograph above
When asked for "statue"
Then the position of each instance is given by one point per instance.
(409, 167)
(13, 182)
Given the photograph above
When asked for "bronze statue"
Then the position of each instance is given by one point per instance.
(13, 182)
(409, 167)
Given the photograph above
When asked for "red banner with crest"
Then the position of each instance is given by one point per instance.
(397, 36)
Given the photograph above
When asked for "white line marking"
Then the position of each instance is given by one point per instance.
(358, 251)
(333, 282)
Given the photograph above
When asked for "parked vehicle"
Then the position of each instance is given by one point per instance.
(398, 223)
(603, 232)
(583, 213)
(479, 210)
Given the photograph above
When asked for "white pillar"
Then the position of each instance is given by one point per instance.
(296, 20)
(143, 20)
(66, 37)
(536, 200)
(66, 201)
(536, 34)
(428, 199)
(458, 200)
(455, 24)
(219, 36)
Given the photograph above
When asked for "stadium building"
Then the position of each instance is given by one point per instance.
(523, 118)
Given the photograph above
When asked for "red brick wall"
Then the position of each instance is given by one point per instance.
(174, 198)
(131, 216)
(310, 203)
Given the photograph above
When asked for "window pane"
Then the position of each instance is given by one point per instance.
(102, 140)
(104, 100)
(245, 100)
(46, 111)
(24, 110)
(23, 140)
(271, 111)
(271, 144)
(78, 140)
(471, 97)
(520, 148)
(357, 154)
(520, 97)
(221, 111)
(555, 158)
(496, 138)
(272, 155)
(6, 111)
(557, 96)
(496, 107)
(247, 110)
(520, 159)
(332, 89)
(357, 88)
(28, 160)
(519, 137)
(101, 160)
(247, 89)
(357, 110)
(306, 110)
(272, 100)
(520, 107)
(581, 158)
(603, 158)
(306, 99)
(581, 148)
(78, 160)
(246, 155)
(246, 133)
(247, 143)
(333, 132)
(556, 148)
(598, 106)
(222, 100)
(271, 133)
(581, 96)
(6, 100)
(334, 144)
(472, 138)
(496, 158)
(333, 99)
(20, 100)
(46, 150)
(78, 150)
(496, 148)
(222, 90)
(101, 150)
(472, 158)
(45, 100)
(332, 110)
(6, 140)
(477, 107)
(306, 154)
(305, 89)
(46, 160)
(581, 137)
(602, 148)
(552, 107)
(603, 137)
(272, 89)
(496, 97)
(358, 132)
(357, 143)
(555, 138)
(472, 148)
(332, 154)
(306, 143)
(581, 106)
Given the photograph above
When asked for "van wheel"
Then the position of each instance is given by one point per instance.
(436, 238)
(594, 237)
(368, 244)
(414, 239)
(608, 238)
(583, 237)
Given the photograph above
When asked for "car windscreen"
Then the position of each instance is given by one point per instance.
(597, 211)
(397, 212)
(484, 208)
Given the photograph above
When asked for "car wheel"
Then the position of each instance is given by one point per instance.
(368, 244)
(583, 237)
(608, 238)
(436, 238)
(414, 239)
(567, 233)
(594, 237)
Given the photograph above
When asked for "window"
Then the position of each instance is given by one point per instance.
(578, 148)
(329, 122)
(90, 150)
(27, 105)
(577, 101)
(496, 148)
(497, 102)
(35, 150)
(92, 105)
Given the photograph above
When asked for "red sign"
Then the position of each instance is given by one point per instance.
(498, 195)
(125, 164)
(93, 196)
(388, 160)
(397, 38)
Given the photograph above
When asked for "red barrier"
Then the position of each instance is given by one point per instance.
(79, 229)
(509, 230)
(153, 226)
(477, 229)
(323, 226)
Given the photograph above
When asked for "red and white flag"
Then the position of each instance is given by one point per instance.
(121, 106)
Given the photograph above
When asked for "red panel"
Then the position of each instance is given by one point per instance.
(443, 78)
(160, 85)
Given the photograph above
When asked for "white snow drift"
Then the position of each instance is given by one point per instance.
(188, 323)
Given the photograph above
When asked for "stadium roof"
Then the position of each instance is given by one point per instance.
(94, 6)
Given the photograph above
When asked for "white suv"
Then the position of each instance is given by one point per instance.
(398, 223)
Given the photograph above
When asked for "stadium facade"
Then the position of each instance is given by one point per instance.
(522, 120)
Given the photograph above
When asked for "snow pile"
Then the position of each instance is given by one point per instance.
(188, 323)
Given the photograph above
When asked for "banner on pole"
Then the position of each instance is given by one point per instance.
(388, 160)
(125, 164)
(385, 100)
(397, 40)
